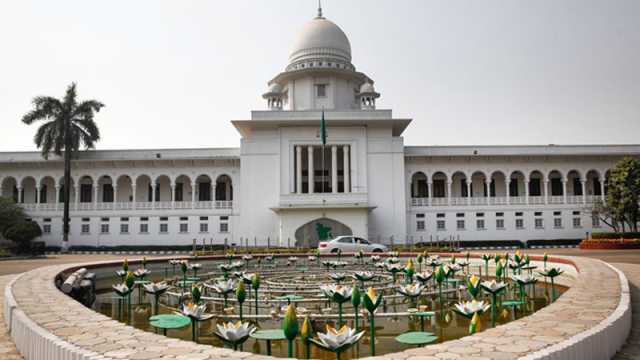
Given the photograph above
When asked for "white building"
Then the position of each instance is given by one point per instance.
(275, 189)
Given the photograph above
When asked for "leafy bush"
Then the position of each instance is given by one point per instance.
(615, 235)
(10, 214)
(610, 244)
(22, 233)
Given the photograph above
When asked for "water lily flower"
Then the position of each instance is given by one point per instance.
(222, 286)
(363, 275)
(337, 277)
(306, 333)
(433, 261)
(394, 268)
(337, 293)
(269, 258)
(338, 340)
(224, 267)
(311, 258)
(380, 265)
(409, 269)
(469, 308)
(375, 258)
(238, 274)
(247, 257)
(424, 276)
(411, 291)
(194, 311)
(524, 279)
(247, 278)
(158, 288)
(195, 266)
(393, 260)
(493, 287)
(121, 289)
(473, 286)
(121, 273)
(237, 264)
(293, 258)
(125, 265)
(371, 302)
(141, 273)
(551, 272)
(234, 333)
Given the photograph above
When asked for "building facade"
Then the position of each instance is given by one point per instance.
(282, 185)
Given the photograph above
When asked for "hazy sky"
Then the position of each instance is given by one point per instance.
(174, 73)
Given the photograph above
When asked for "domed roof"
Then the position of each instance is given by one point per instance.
(321, 38)
(275, 88)
(367, 88)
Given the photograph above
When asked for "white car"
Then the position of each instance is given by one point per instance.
(349, 244)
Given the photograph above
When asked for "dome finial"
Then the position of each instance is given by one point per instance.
(319, 9)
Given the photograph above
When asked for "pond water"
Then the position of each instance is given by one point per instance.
(304, 278)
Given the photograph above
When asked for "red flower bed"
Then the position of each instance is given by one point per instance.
(611, 244)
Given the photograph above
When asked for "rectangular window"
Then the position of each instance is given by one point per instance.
(556, 187)
(47, 220)
(576, 213)
(85, 193)
(144, 228)
(479, 214)
(86, 219)
(204, 191)
(538, 213)
(144, 218)
(513, 187)
(595, 222)
(539, 224)
(164, 218)
(460, 224)
(420, 225)
(204, 227)
(534, 187)
(107, 193)
(224, 218)
(557, 213)
(179, 195)
(440, 225)
(184, 218)
(46, 229)
(438, 188)
(104, 219)
(577, 223)
(420, 216)
(224, 227)
(440, 215)
(124, 228)
(164, 228)
(557, 223)
(321, 90)
(104, 228)
(499, 224)
(124, 219)
(577, 187)
(519, 224)
(460, 215)
(184, 228)
(204, 218)
(499, 214)
(519, 214)
(480, 224)
(85, 229)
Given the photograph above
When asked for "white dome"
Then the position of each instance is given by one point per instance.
(321, 39)
(275, 88)
(367, 88)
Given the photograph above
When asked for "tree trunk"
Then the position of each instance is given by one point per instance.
(67, 187)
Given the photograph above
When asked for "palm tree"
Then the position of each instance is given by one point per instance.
(68, 124)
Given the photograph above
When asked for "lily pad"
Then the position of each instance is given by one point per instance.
(269, 334)
(416, 338)
(168, 321)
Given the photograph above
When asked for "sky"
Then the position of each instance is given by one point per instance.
(174, 73)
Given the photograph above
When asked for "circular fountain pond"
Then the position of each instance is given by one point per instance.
(433, 296)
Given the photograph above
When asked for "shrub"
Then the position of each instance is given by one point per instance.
(615, 235)
(22, 233)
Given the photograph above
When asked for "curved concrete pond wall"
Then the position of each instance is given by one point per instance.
(590, 321)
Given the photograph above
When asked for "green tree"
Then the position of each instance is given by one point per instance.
(22, 233)
(10, 214)
(68, 124)
(621, 210)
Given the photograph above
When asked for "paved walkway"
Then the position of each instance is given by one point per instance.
(632, 349)
(7, 350)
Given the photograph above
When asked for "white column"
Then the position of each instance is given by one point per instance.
(346, 168)
(487, 183)
(172, 186)
(95, 195)
(310, 169)
(526, 191)
(37, 196)
(77, 191)
(57, 187)
(546, 191)
(299, 169)
(133, 195)
(430, 194)
(604, 198)
(115, 195)
(193, 193)
(334, 169)
(584, 191)
(449, 193)
(469, 189)
(153, 195)
(564, 191)
(508, 192)
(213, 194)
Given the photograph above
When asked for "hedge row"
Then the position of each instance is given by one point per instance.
(610, 244)
(615, 235)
